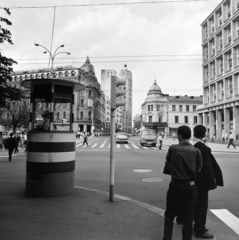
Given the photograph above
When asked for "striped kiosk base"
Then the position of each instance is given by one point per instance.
(50, 164)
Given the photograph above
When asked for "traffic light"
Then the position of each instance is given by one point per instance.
(115, 93)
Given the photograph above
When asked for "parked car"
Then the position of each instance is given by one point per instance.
(121, 137)
(148, 137)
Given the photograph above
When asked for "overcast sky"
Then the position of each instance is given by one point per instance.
(157, 41)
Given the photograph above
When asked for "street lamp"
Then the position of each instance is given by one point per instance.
(167, 112)
(52, 56)
(97, 99)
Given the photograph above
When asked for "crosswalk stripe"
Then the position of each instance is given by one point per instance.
(126, 145)
(155, 148)
(145, 148)
(135, 146)
(118, 146)
(109, 146)
(102, 145)
(228, 218)
(94, 145)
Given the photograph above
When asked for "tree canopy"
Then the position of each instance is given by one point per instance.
(7, 92)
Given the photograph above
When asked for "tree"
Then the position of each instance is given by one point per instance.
(6, 91)
(19, 117)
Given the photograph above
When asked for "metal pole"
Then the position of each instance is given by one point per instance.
(112, 153)
(92, 118)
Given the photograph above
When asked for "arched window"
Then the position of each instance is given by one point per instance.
(81, 115)
(64, 114)
(160, 119)
(89, 114)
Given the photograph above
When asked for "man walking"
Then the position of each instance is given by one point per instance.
(160, 140)
(85, 136)
(231, 141)
(185, 161)
(208, 179)
(11, 145)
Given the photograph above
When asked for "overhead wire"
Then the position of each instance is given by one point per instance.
(105, 4)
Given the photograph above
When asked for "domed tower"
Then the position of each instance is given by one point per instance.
(90, 99)
(154, 109)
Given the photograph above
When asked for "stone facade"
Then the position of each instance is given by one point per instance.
(220, 46)
(166, 113)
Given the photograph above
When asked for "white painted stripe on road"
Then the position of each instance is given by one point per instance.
(135, 146)
(109, 146)
(118, 146)
(102, 145)
(105, 141)
(126, 145)
(145, 148)
(94, 145)
(84, 146)
(228, 218)
(155, 148)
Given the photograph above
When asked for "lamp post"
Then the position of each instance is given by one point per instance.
(97, 99)
(52, 56)
(167, 113)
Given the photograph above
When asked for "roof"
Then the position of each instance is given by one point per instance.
(185, 98)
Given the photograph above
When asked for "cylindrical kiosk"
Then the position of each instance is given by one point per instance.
(51, 140)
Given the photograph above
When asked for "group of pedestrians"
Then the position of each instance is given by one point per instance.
(194, 172)
(12, 142)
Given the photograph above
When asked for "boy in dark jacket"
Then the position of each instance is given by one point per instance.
(208, 179)
(11, 145)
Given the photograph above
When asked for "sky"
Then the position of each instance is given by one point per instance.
(157, 41)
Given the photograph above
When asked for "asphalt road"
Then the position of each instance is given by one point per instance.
(138, 174)
(93, 166)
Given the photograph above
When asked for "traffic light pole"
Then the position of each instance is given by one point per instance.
(112, 154)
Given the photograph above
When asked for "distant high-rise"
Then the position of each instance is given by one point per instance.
(127, 109)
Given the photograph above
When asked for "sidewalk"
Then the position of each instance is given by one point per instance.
(83, 215)
(215, 147)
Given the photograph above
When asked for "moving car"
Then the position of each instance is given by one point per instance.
(121, 137)
(148, 137)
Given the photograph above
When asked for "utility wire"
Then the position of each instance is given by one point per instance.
(106, 4)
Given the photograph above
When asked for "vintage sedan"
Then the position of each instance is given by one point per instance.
(121, 137)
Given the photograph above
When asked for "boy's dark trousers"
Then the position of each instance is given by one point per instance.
(85, 141)
(10, 151)
(200, 213)
(181, 197)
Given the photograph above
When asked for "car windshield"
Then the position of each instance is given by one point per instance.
(121, 133)
(148, 133)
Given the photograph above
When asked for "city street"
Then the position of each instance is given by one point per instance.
(138, 175)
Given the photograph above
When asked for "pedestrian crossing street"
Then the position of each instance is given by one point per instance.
(118, 146)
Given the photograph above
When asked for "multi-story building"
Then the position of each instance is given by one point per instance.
(91, 98)
(220, 47)
(123, 114)
(127, 109)
(166, 113)
(137, 122)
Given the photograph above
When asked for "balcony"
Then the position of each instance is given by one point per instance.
(229, 13)
(220, 22)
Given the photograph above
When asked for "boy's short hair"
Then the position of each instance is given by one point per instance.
(199, 131)
(185, 131)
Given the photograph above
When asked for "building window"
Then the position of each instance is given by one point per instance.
(187, 108)
(194, 108)
(185, 119)
(195, 119)
(180, 108)
(160, 119)
(176, 119)
(82, 102)
(58, 116)
(174, 108)
(89, 114)
(81, 115)
(64, 114)
(148, 107)
(150, 118)
(151, 107)
(158, 107)
(90, 93)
